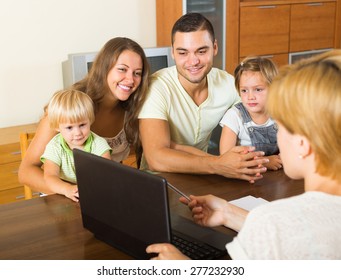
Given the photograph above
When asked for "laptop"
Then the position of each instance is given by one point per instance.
(128, 209)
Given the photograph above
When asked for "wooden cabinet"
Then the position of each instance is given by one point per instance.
(273, 28)
(264, 30)
(270, 27)
(312, 26)
(167, 12)
(9, 162)
(10, 157)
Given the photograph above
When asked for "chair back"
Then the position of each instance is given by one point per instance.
(25, 140)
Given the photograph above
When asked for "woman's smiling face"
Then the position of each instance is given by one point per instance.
(126, 75)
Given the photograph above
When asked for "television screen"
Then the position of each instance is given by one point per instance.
(89, 65)
(78, 65)
(157, 63)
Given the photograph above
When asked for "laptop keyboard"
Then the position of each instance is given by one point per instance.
(196, 250)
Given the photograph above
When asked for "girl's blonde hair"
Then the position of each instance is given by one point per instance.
(306, 99)
(265, 66)
(70, 106)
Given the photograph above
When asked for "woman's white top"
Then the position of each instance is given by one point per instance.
(307, 226)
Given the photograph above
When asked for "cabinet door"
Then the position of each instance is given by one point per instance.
(264, 30)
(12, 195)
(312, 26)
(167, 12)
(9, 175)
(10, 153)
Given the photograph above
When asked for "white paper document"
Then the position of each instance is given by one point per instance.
(248, 202)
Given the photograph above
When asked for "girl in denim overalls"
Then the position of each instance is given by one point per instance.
(247, 123)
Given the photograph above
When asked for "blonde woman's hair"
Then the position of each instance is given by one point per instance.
(306, 99)
(70, 106)
(265, 66)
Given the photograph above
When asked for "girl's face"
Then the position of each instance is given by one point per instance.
(75, 134)
(126, 75)
(253, 90)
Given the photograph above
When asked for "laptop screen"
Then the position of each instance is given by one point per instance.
(128, 208)
(121, 205)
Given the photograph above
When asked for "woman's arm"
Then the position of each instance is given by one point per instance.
(207, 211)
(211, 211)
(30, 171)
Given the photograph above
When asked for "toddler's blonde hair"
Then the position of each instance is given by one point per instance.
(70, 106)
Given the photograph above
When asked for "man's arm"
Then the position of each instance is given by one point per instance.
(161, 154)
(187, 149)
(239, 162)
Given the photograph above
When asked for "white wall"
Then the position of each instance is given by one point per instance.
(37, 35)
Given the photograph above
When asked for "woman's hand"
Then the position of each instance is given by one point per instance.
(165, 251)
(213, 211)
(208, 210)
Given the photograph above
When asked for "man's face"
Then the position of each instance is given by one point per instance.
(193, 53)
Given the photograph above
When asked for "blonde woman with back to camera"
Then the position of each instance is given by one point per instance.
(305, 100)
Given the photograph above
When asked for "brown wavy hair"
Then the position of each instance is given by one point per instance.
(96, 86)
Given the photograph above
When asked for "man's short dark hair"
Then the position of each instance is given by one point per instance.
(192, 22)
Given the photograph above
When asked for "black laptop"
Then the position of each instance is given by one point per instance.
(128, 209)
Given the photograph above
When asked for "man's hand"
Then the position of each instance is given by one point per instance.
(241, 162)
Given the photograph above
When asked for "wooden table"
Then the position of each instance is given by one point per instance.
(51, 227)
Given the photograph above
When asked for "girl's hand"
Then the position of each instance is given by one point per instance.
(275, 162)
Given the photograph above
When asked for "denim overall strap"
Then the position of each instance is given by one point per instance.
(263, 138)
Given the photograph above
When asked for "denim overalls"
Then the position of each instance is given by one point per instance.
(263, 138)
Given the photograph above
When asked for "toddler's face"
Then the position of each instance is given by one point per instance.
(75, 134)
(253, 91)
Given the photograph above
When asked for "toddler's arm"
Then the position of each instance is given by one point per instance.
(57, 185)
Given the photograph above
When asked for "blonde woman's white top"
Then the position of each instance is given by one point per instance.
(307, 226)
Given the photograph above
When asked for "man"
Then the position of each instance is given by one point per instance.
(185, 103)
